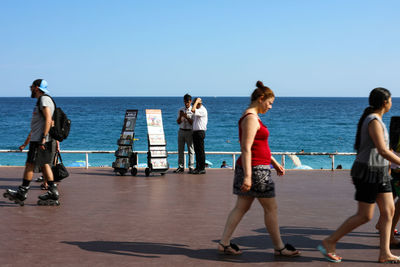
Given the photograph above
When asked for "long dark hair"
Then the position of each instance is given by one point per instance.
(261, 91)
(377, 99)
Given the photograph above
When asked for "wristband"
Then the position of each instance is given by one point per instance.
(44, 135)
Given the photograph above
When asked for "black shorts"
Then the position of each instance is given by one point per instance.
(368, 192)
(38, 156)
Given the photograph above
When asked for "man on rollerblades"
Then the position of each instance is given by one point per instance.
(41, 148)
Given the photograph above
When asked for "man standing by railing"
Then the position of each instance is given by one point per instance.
(185, 135)
(200, 119)
(41, 148)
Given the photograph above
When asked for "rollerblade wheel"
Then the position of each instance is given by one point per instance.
(48, 202)
(134, 171)
(147, 171)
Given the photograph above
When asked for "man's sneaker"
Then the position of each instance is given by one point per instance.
(191, 170)
(199, 172)
(179, 170)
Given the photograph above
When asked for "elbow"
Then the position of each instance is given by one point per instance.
(245, 150)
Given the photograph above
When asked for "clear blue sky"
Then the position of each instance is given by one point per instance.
(206, 48)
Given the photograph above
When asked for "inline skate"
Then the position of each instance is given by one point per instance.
(18, 196)
(50, 198)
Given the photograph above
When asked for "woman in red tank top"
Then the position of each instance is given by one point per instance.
(253, 175)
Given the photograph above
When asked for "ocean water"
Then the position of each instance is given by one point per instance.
(295, 123)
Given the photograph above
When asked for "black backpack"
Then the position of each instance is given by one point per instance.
(62, 124)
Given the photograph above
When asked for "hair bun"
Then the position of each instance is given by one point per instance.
(259, 84)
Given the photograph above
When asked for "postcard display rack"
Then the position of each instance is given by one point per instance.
(157, 154)
(125, 157)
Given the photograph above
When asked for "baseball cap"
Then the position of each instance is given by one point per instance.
(42, 84)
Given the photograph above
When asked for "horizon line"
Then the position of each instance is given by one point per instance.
(204, 96)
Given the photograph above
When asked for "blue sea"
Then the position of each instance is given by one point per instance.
(314, 124)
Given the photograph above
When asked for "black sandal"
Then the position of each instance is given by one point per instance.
(288, 247)
(231, 249)
(39, 179)
(43, 186)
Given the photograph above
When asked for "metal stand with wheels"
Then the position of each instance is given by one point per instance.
(157, 146)
(125, 157)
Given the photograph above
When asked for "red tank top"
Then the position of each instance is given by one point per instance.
(260, 151)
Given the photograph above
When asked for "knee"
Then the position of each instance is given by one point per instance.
(271, 208)
(388, 213)
(29, 166)
(391, 212)
(242, 209)
(365, 217)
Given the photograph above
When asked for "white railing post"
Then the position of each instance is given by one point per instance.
(333, 162)
(233, 161)
(87, 160)
(283, 160)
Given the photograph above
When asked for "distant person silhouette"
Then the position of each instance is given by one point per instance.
(223, 165)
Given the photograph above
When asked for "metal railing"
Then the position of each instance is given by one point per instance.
(233, 154)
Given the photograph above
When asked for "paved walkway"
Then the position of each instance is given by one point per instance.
(175, 220)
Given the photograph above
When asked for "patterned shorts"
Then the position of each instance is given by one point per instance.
(262, 185)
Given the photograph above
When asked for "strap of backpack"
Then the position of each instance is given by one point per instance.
(38, 103)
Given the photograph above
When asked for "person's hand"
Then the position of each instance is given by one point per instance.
(42, 145)
(246, 184)
(22, 147)
(280, 170)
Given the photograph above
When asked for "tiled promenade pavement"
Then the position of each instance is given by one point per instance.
(175, 220)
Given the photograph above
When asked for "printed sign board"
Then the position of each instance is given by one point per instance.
(154, 122)
(127, 132)
(159, 163)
